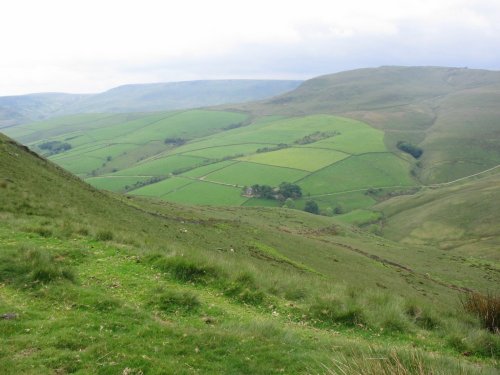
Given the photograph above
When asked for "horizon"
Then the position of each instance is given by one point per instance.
(236, 79)
(52, 48)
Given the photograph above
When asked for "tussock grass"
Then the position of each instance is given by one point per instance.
(391, 362)
(29, 267)
(170, 301)
(486, 307)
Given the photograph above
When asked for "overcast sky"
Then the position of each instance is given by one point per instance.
(93, 45)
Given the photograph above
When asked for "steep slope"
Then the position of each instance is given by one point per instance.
(452, 113)
(98, 283)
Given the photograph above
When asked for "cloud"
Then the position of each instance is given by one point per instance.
(83, 46)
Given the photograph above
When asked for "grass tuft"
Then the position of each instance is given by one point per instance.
(486, 307)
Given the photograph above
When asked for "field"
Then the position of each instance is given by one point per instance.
(224, 152)
(96, 282)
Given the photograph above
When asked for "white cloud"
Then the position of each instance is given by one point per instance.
(60, 45)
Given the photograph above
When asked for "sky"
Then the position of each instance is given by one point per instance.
(82, 46)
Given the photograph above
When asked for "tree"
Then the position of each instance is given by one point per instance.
(288, 190)
(312, 207)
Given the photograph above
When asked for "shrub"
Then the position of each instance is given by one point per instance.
(485, 307)
(311, 207)
(409, 148)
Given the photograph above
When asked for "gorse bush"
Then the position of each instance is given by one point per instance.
(485, 307)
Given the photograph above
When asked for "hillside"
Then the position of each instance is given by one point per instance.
(20, 109)
(451, 113)
(16, 110)
(461, 218)
(99, 283)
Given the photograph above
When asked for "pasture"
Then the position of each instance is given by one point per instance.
(214, 154)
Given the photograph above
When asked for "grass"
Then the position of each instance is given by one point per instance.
(163, 187)
(309, 159)
(115, 183)
(183, 289)
(247, 174)
(200, 192)
(358, 172)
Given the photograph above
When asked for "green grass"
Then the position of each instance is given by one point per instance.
(359, 172)
(206, 193)
(163, 187)
(309, 159)
(207, 169)
(115, 183)
(247, 174)
(226, 151)
(95, 282)
(162, 166)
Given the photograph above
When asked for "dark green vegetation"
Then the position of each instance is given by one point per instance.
(409, 148)
(94, 282)
(139, 98)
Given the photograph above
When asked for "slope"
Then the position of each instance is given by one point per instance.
(461, 217)
(98, 283)
(451, 113)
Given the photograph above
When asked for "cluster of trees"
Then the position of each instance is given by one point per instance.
(284, 191)
(315, 137)
(409, 148)
(174, 141)
(54, 147)
(272, 148)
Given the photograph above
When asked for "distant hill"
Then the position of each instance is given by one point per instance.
(451, 113)
(26, 108)
(139, 98)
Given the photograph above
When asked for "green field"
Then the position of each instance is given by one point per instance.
(117, 183)
(359, 172)
(247, 174)
(324, 154)
(162, 188)
(307, 159)
(161, 166)
(206, 193)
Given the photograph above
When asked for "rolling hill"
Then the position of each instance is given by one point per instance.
(451, 113)
(94, 282)
(139, 98)
(335, 136)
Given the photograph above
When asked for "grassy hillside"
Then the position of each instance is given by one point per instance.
(21, 109)
(451, 113)
(98, 283)
(461, 218)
